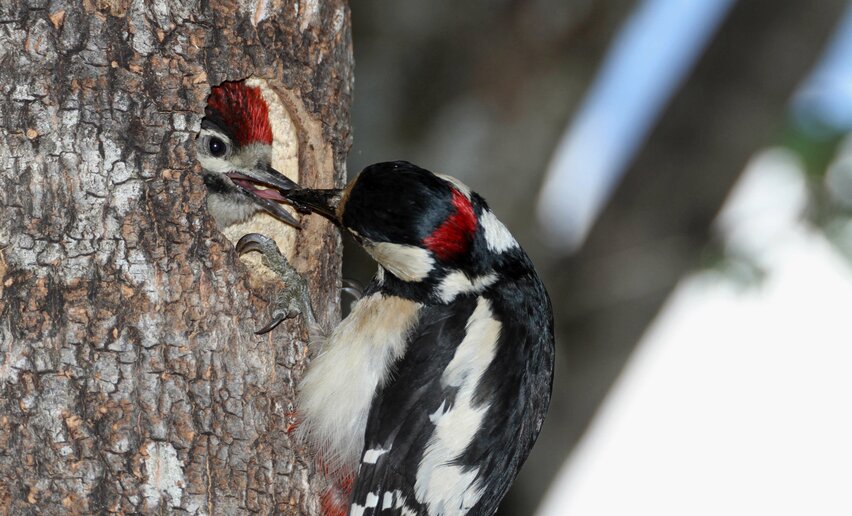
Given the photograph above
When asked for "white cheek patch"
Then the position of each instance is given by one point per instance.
(337, 390)
(457, 282)
(497, 237)
(218, 165)
(243, 159)
(446, 488)
(406, 262)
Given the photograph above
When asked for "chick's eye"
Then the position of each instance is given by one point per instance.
(216, 147)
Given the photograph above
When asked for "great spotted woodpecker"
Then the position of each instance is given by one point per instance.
(435, 387)
(234, 150)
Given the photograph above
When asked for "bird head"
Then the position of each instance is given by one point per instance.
(234, 148)
(411, 221)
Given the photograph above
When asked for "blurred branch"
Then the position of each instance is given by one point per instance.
(658, 222)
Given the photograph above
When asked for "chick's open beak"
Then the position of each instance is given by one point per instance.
(268, 187)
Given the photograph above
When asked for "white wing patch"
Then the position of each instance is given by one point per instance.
(497, 237)
(434, 417)
(371, 456)
(372, 500)
(388, 499)
(457, 282)
(396, 500)
(445, 488)
(336, 392)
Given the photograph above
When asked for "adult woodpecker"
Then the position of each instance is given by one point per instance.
(234, 148)
(435, 387)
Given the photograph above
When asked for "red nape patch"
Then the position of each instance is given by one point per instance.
(243, 111)
(453, 237)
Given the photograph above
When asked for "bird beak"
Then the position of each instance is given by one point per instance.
(267, 186)
(321, 202)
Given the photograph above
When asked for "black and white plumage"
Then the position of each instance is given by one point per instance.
(435, 387)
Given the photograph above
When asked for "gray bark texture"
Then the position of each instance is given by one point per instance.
(130, 376)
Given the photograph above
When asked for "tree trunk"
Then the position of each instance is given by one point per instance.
(130, 377)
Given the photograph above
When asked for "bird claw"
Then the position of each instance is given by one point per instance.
(353, 288)
(277, 319)
(294, 300)
(255, 242)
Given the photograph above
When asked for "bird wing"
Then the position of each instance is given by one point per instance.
(449, 431)
(401, 420)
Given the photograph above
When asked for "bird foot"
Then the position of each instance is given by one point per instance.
(295, 299)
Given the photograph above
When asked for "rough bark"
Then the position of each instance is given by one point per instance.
(130, 377)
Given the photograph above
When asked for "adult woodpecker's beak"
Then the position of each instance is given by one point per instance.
(323, 202)
(267, 186)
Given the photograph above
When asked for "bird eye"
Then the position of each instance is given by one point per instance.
(216, 147)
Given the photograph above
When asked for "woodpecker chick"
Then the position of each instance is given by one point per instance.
(436, 386)
(234, 148)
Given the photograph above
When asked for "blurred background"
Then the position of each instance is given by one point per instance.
(680, 173)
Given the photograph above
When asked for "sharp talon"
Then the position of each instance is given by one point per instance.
(353, 283)
(354, 292)
(252, 242)
(279, 318)
(353, 288)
